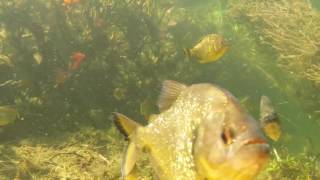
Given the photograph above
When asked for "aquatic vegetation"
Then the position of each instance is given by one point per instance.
(129, 48)
(66, 65)
(289, 30)
(313, 73)
(301, 166)
(86, 154)
(290, 27)
(8, 115)
(97, 153)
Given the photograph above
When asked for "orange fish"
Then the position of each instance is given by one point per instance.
(77, 58)
(61, 75)
(70, 2)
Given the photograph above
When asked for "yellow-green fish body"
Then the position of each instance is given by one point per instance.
(211, 48)
(8, 115)
(201, 133)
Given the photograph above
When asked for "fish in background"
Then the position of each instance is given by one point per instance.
(70, 2)
(5, 60)
(210, 49)
(62, 75)
(37, 56)
(77, 58)
(202, 132)
(269, 119)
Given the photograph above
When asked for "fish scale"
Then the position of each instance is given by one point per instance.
(185, 141)
(177, 147)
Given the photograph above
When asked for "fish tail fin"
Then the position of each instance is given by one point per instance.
(127, 127)
(187, 52)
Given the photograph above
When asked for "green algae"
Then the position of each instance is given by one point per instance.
(66, 130)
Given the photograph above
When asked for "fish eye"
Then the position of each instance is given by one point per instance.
(227, 136)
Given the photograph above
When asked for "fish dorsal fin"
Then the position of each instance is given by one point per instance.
(169, 93)
(125, 125)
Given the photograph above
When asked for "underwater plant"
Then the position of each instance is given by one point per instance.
(290, 27)
(289, 30)
(119, 39)
(66, 65)
(305, 165)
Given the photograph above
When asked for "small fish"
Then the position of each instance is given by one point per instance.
(8, 115)
(70, 2)
(61, 75)
(77, 58)
(37, 57)
(5, 60)
(269, 119)
(201, 133)
(209, 49)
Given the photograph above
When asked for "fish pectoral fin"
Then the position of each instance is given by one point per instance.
(169, 93)
(272, 130)
(188, 53)
(125, 125)
(128, 164)
(269, 119)
(265, 106)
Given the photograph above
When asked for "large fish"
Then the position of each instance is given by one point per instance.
(201, 133)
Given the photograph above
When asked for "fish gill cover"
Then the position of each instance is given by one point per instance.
(66, 65)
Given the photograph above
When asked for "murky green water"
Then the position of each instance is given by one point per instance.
(66, 66)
